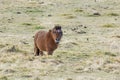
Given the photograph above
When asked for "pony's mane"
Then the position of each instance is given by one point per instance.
(57, 27)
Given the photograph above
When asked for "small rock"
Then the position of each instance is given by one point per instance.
(49, 15)
(97, 14)
(18, 12)
(87, 39)
(85, 27)
(64, 31)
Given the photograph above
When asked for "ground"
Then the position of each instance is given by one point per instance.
(89, 49)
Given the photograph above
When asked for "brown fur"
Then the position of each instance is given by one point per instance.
(47, 41)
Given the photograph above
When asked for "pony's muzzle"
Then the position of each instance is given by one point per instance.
(57, 41)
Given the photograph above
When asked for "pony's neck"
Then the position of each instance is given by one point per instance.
(50, 38)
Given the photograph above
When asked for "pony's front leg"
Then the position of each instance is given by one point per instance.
(50, 52)
(41, 53)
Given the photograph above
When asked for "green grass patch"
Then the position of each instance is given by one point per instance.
(33, 26)
(113, 14)
(39, 27)
(78, 10)
(3, 78)
(110, 54)
(34, 10)
(102, 53)
(27, 24)
(109, 25)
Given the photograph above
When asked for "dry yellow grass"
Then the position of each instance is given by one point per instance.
(88, 50)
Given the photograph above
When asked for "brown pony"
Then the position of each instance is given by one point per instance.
(47, 41)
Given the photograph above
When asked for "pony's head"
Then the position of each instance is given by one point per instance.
(56, 33)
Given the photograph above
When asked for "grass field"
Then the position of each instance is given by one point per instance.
(89, 49)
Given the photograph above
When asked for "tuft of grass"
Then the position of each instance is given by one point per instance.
(109, 26)
(110, 54)
(14, 49)
(30, 58)
(78, 10)
(94, 15)
(37, 78)
(24, 69)
(97, 53)
(27, 24)
(69, 79)
(27, 76)
(1, 45)
(3, 78)
(39, 27)
(68, 16)
(113, 14)
(71, 17)
(102, 53)
(33, 10)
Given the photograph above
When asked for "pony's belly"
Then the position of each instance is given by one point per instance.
(42, 48)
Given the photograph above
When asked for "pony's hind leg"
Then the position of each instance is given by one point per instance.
(36, 51)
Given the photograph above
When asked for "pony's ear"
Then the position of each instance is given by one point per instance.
(57, 27)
